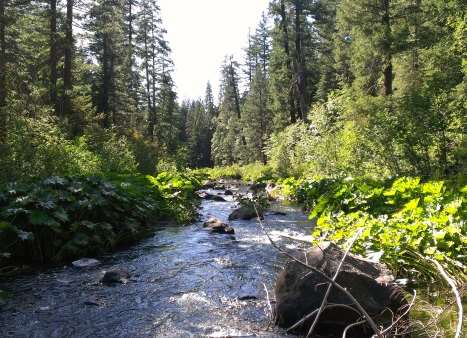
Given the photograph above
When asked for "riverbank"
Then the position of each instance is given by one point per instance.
(406, 223)
(58, 219)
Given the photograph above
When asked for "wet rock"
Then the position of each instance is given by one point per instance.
(278, 213)
(219, 187)
(211, 197)
(217, 226)
(209, 185)
(228, 192)
(244, 213)
(297, 295)
(85, 263)
(247, 297)
(117, 275)
(256, 187)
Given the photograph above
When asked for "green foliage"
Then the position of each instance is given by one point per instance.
(253, 172)
(40, 148)
(178, 191)
(401, 218)
(60, 218)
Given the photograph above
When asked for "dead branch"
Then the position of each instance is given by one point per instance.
(271, 313)
(328, 306)
(328, 291)
(363, 312)
(344, 334)
(452, 284)
(409, 307)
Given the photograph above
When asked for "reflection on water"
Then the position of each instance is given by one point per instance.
(185, 282)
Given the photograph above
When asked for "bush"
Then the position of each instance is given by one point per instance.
(58, 218)
(402, 218)
(40, 148)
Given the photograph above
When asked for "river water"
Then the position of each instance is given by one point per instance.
(186, 282)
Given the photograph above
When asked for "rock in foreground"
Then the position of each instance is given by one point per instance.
(217, 226)
(300, 292)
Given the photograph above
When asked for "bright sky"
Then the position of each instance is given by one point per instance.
(201, 33)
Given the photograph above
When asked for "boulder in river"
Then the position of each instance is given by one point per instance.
(211, 197)
(116, 275)
(85, 263)
(244, 212)
(228, 192)
(215, 225)
(300, 291)
(256, 187)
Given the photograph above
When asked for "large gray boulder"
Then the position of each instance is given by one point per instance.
(299, 292)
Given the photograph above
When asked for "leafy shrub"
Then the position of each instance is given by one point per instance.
(114, 151)
(178, 191)
(40, 148)
(401, 218)
(255, 172)
(61, 218)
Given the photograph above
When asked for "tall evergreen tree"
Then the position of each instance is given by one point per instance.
(3, 89)
(108, 41)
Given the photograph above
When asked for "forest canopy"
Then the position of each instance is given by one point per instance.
(325, 88)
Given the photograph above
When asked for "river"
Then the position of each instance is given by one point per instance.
(186, 282)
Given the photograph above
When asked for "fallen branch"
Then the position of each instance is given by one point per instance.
(344, 334)
(452, 284)
(271, 313)
(409, 307)
(328, 306)
(328, 291)
(360, 308)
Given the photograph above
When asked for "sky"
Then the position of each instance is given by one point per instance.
(201, 33)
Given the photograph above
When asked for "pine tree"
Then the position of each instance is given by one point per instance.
(3, 90)
(256, 118)
(108, 41)
(228, 139)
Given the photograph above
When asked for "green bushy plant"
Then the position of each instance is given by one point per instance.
(60, 218)
(402, 218)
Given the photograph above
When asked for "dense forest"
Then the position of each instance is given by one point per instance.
(356, 109)
(325, 87)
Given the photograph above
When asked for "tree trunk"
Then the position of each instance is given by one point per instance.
(3, 110)
(53, 58)
(67, 72)
(387, 57)
(300, 71)
(106, 82)
(235, 89)
(285, 31)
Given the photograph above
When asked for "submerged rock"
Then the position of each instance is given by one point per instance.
(299, 292)
(116, 275)
(86, 263)
(215, 225)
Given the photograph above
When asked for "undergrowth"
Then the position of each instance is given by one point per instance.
(60, 218)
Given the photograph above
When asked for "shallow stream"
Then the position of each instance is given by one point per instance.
(186, 282)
